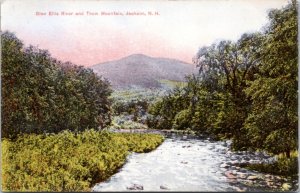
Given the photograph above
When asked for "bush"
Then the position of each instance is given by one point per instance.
(283, 166)
(43, 95)
(68, 161)
(126, 122)
(182, 120)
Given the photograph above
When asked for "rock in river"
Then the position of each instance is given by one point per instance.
(242, 176)
(230, 175)
(135, 187)
(286, 186)
(224, 165)
(252, 178)
(163, 187)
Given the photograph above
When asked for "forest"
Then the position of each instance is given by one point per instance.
(57, 114)
(246, 90)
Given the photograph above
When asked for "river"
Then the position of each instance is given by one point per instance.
(186, 163)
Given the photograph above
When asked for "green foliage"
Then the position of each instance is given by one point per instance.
(182, 120)
(284, 166)
(43, 95)
(129, 107)
(165, 110)
(124, 122)
(245, 90)
(273, 122)
(68, 161)
(172, 83)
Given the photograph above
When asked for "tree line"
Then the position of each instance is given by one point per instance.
(43, 95)
(245, 90)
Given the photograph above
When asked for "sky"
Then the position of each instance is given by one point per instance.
(176, 29)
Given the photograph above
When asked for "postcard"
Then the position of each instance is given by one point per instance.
(159, 95)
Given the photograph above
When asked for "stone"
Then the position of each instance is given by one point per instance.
(223, 151)
(267, 175)
(228, 142)
(232, 182)
(270, 184)
(230, 175)
(224, 166)
(252, 178)
(286, 186)
(249, 182)
(244, 162)
(135, 187)
(163, 187)
(183, 162)
(242, 170)
(240, 189)
(262, 183)
(243, 176)
(269, 180)
(254, 162)
(278, 178)
(234, 162)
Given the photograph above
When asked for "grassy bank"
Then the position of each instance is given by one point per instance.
(68, 161)
(283, 166)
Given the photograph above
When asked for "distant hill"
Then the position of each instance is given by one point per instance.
(141, 71)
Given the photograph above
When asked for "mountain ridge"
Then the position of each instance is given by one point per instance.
(141, 55)
(139, 70)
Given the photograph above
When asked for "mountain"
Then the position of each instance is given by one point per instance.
(142, 71)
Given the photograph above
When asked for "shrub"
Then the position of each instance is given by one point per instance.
(68, 161)
(283, 166)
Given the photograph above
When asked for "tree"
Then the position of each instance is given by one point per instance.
(273, 122)
(11, 77)
(245, 90)
(225, 68)
(43, 95)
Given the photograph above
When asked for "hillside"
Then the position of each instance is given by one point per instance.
(142, 71)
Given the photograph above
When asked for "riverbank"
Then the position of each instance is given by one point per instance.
(188, 163)
(165, 132)
(68, 161)
(280, 164)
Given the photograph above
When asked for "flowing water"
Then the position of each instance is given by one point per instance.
(183, 163)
